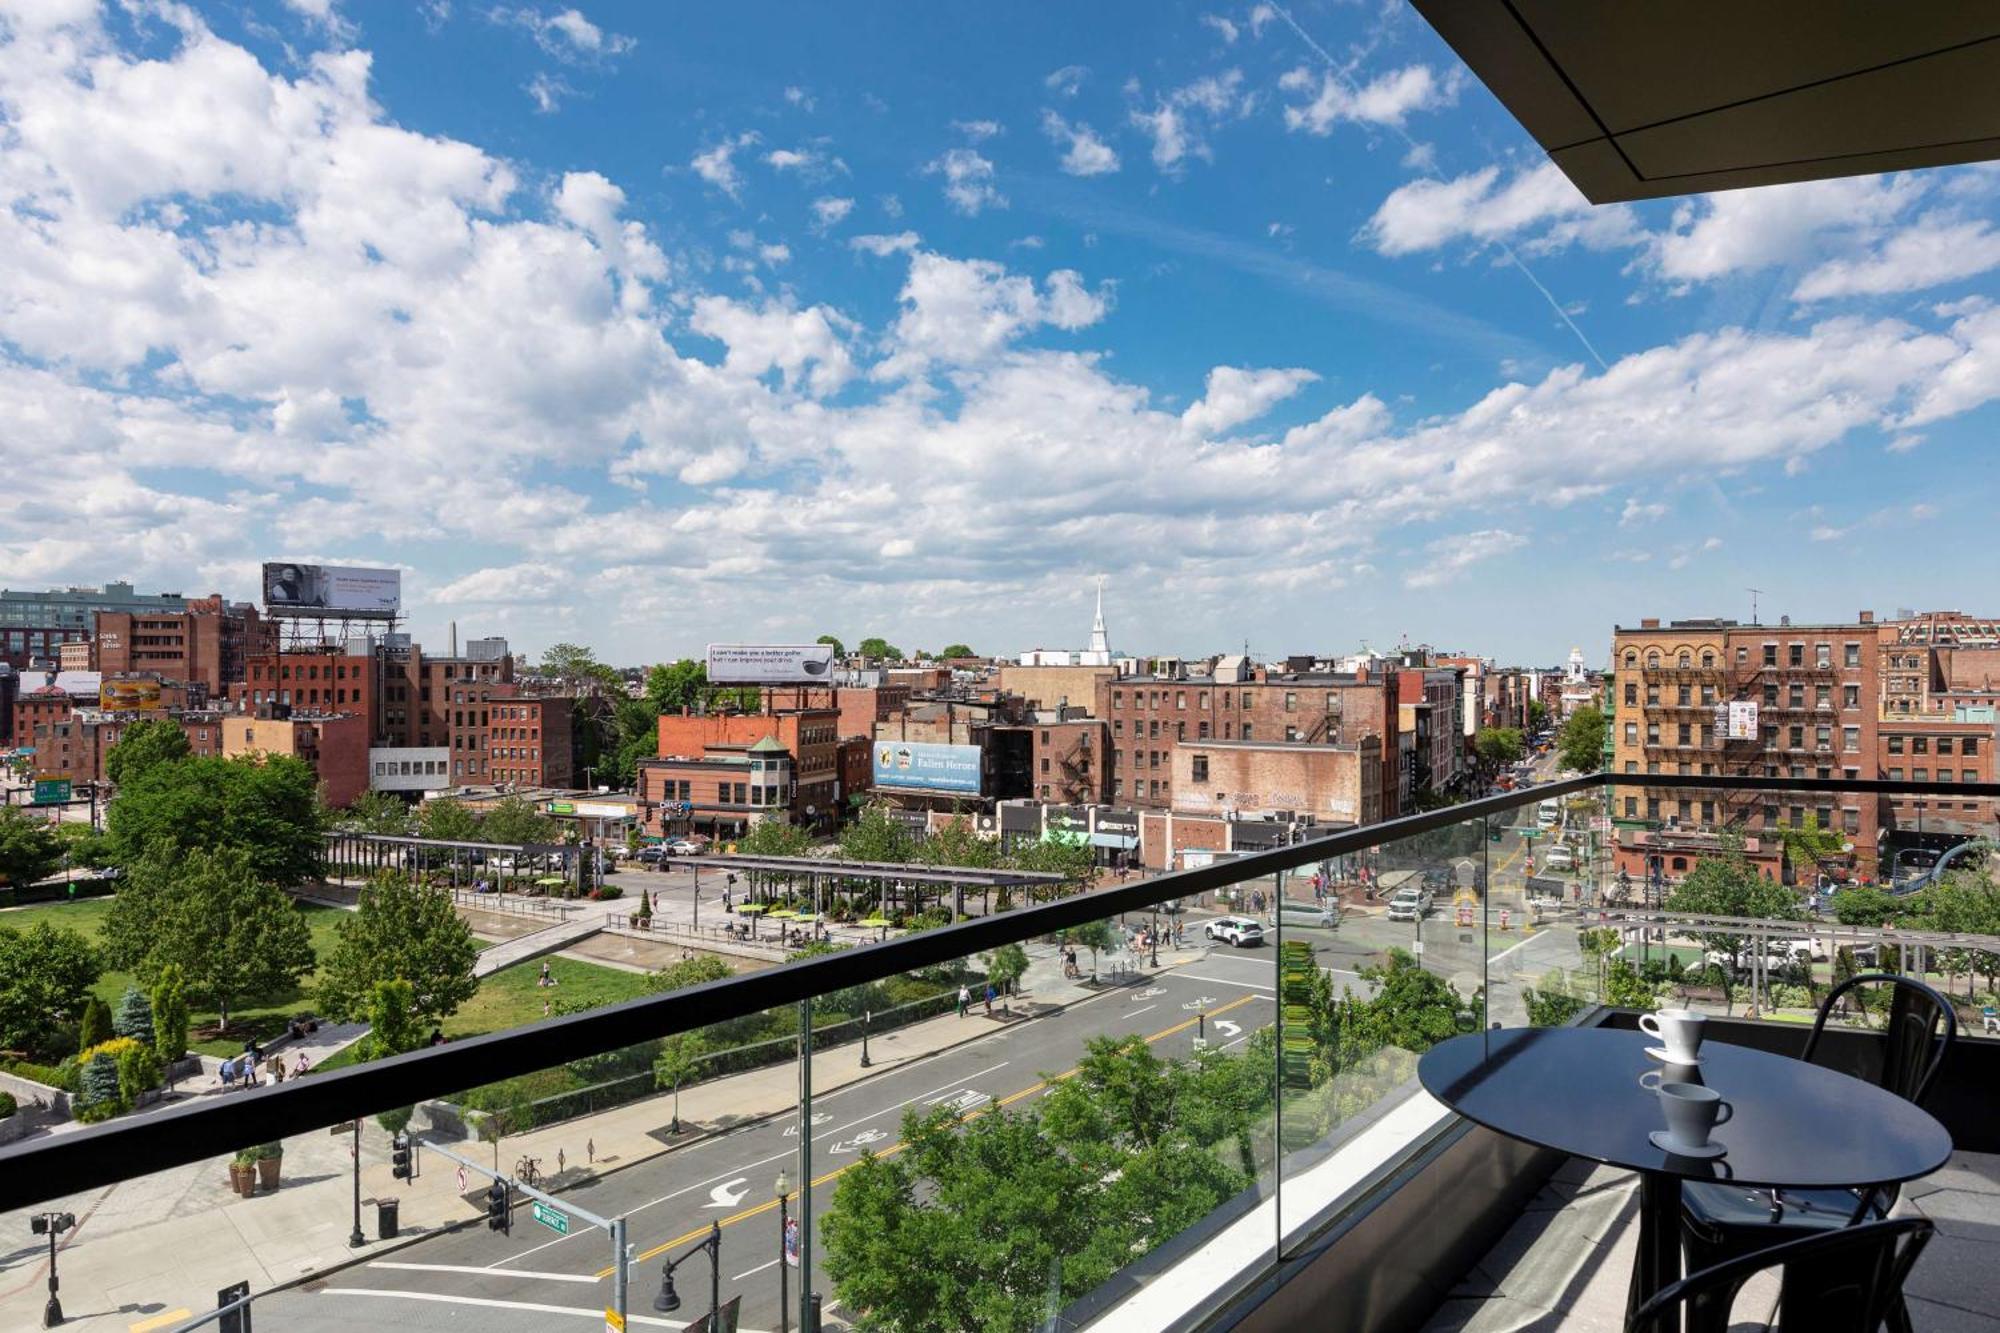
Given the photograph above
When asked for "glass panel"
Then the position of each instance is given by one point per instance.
(1388, 958)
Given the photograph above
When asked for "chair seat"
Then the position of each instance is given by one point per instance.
(1726, 1220)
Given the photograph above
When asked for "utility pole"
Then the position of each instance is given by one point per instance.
(1753, 603)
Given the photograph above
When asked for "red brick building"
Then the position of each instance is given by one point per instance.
(810, 737)
(1333, 784)
(531, 739)
(210, 643)
(335, 746)
(1069, 761)
(721, 791)
(324, 682)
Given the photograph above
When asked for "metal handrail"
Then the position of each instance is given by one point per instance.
(98, 1155)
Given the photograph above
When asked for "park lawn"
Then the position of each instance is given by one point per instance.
(264, 1018)
(510, 998)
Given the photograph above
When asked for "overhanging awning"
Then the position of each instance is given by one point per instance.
(1124, 840)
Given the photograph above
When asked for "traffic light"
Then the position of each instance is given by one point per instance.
(399, 1157)
(496, 1208)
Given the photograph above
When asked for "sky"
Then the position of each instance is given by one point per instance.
(648, 326)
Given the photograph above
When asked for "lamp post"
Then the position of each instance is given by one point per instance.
(355, 1239)
(669, 1300)
(1156, 937)
(784, 1188)
(865, 1017)
(52, 1225)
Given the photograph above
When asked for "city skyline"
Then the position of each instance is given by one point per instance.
(1268, 314)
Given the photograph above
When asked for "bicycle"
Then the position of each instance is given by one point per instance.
(528, 1170)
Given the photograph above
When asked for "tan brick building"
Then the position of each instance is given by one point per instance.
(1334, 784)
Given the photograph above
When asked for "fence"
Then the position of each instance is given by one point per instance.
(512, 906)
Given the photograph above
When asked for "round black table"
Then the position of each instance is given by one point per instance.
(1577, 1090)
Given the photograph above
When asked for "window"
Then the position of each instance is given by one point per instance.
(1944, 745)
(1045, 763)
(1852, 654)
(1850, 739)
(1770, 654)
(1180, 699)
(1798, 737)
(1895, 775)
(1249, 700)
(1246, 731)
(1823, 737)
(1684, 696)
(1823, 655)
(1920, 775)
(1795, 654)
(1684, 736)
(1652, 733)
(1201, 731)
(1822, 696)
(1200, 766)
(1850, 696)
(1117, 698)
(1652, 696)
(1895, 745)
(1968, 775)
(1920, 745)
(1201, 699)
(1631, 807)
(1631, 766)
(1291, 733)
(1944, 775)
(1291, 701)
(1770, 696)
(1971, 746)
(1118, 726)
(1652, 659)
(1632, 693)
(1631, 733)
(1708, 657)
(1796, 696)
(1684, 661)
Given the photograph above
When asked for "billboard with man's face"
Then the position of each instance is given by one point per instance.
(918, 766)
(343, 589)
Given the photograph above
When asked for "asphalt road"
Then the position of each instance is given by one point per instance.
(535, 1279)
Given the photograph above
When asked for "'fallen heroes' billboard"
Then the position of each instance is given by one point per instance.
(917, 766)
(346, 589)
(770, 663)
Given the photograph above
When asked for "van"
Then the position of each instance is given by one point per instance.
(1316, 918)
(1560, 858)
(1549, 813)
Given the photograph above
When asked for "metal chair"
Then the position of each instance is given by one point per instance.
(1721, 1221)
(1846, 1281)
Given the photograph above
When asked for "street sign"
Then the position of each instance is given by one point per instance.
(51, 791)
(344, 1127)
(551, 1218)
(614, 1322)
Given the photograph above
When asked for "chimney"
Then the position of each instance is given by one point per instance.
(1650, 622)
(1867, 617)
(454, 639)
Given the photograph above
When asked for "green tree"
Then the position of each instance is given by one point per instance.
(951, 650)
(879, 649)
(1580, 743)
(400, 929)
(1538, 713)
(1058, 854)
(1553, 1003)
(138, 1073)
(769, 837)
(635, 736)
(670, 687)
(1867, 906)
(1808, 845)
(1728, 885)
(97, 1089)
(957, 843)
(1598, 944)
(688, 972)
(1625, 987)
(839, 648)
(1499, 746)
(514, 820)
(145, 745)
(46, 973)
(577, 668)
(1095, 936)
(170, 1014)
(1005, 967)
(28, 849)
(875, 837)
(393, 1028)
(96, 1027)
(448, 820)
(679, 1057)
(87, 846)
(134, 1016)
(266, 807)
(379, 812)
(234, 936)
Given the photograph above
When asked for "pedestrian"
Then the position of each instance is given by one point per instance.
(437, 1036)
(547, 979)
(301, 1067)
(989, 999)
(226, 1073)
(964, 1001)
(276, 1065)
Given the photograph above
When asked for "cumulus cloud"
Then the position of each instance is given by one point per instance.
(1933, 251)
(1179, 121)
(1235, 396)
(547, 91)
(1636, 513)
(829, 211)
(881, 245)
(565, 34)
(968, 181)
(1448, 557)
(978, 130)
(806, 349)
(1084, 154)
(1066, 81)
(718, 167)
(962, 312)
(1388, 99)
(1486, 205)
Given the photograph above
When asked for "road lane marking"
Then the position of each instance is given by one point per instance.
(161, 1321)
(1228, 981)
(942, 1087)
(726, 1195)
(487, 1302)
(469, 1268)
(755, 1271)
(894, 1148)
(1134, 1013)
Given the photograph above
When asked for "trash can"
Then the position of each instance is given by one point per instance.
(385, 1218)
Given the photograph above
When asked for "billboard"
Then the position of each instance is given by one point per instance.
(770, 663)
(919, 766)
(342, 589)
(121, 696)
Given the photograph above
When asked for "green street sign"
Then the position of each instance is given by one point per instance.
(554, 1219)
(51, 791)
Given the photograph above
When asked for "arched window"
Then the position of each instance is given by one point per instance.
(1653, 657)
(1631, 657)
(1685, 660)
(1708, 657)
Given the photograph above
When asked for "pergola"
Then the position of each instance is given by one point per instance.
(370, 852)
(906, 885)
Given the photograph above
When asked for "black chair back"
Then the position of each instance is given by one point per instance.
(1845, 1281)
(1921, 1029)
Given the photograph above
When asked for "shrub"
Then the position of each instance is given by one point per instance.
(138, 1073)
(8, 1105)
(96, 1023)
(1791, 997)
(98, 1093)
(114, 1049)
(134, 1017)
(61, 1076)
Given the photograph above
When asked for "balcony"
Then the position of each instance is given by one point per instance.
(1177, 1133)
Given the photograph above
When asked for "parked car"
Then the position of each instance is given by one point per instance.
(1238, 931)
(1410, 904)
(1559, 858)
(1317, 918)
(686, 847)
(650, 856)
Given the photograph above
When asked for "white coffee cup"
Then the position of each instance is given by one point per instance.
(1679, 1031)
(1692, 1111)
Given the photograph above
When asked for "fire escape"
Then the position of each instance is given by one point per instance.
(1077, 785)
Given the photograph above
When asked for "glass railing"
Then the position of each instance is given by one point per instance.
(1024, 1120)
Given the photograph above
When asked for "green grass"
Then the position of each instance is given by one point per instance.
(511, 998)
(265, 1018)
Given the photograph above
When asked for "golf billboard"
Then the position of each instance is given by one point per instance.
(920, 766)
(770, 663)
(340, 589)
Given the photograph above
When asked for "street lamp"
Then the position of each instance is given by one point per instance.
(865, 1017)
(784, 1189)
(669, 1300)
(52, 1225)
(1156, 937)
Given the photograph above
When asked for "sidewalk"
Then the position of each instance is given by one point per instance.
(146, 1248)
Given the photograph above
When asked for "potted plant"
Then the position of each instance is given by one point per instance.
(243, 1172)
(270, 1157)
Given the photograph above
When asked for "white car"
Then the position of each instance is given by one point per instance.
(1238, 931)
(1410, 905)
(1560, 858)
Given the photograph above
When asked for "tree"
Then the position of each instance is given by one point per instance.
(138, 1073)
(577, 668)
(1867, 906)
(267, 807)
(879, 649)
(46, 974)
(1005, 967)
(134, 1016)
(1598, 944)
(1499, 746)
(957, 843)
(86, 846)
(635, 736)
(1580, 743)
(379, 812)
(400, 929)
(1553, 1003)
(28, 849)
(680, 1055)
(1808, 845)
(448, 820)
(96, 1027)
(97, 1088)
(688, 972)
(769, 837)
(877, 838)
(1538, 713)
(514, 820)
(839, 648)
(170, 1014)
(1095, 936)
(234, 936)
(393, 1028)
(672, 687)
(1058, 854)
(143, 746)
(952, 650)
(1728, 885)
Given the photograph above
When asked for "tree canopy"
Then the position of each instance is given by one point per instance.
(514, 820)
(379, 812)
(46, 973)
(1499, 746)
(449, 820)
(403, 930)
(143, 745)
(577, 667)
(956, 650)
(29, 848)
(267, 807)
(880, 649)
(839, 648)
(1728, 885)
(1580, 743)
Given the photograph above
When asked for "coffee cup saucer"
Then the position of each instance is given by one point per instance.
(1660, 1053)
(1666, 1143)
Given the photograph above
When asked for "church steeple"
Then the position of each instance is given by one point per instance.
(1100, 639)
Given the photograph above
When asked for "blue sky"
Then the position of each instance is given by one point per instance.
(649, 325)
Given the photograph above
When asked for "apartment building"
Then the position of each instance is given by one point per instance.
(1334, 784)
(1069, 757)
(531, 739)
(35, 625)
(209, 643)
(809, 737)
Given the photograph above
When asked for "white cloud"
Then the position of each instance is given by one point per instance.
(1389, 99)
(1903, 444)
(1933, 251)
(1734, 231)
(881, 245)
(565, 34)
(1636, 513)
(804, 347)
(829, 211)
(1065, 81)
(800, 98)
(774, 254)
(500, 584)
(788, 159)
(1236, 395)
(1452, 556)
(963, 312)
(1259, 16)
(979, 130)
(1084, 154)
(325, 15)
(547, 92)
(717, 167)
(1179, 120)
(968, 181)
(1482, 206)
(1223, 27)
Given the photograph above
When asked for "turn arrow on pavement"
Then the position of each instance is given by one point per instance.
(1227, 1028)
(727, 1195)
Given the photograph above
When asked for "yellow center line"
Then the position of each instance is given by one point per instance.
(894, 1148)
(161, 1321)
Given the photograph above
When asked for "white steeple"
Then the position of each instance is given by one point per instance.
(1100, 639)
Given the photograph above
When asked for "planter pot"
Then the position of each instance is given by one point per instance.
(267, 1171)
(243, 1178)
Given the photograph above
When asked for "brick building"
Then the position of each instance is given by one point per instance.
(1333, 784)
(809, 737)
(532, 739)
(312, 682)
(1068, 758)
(1054, 686)
(75, 743)
(722, 790)
(334, 745)
(35, 625)
(209, 643)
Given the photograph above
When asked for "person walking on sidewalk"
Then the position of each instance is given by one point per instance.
(964, 1001)
(989, 999)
